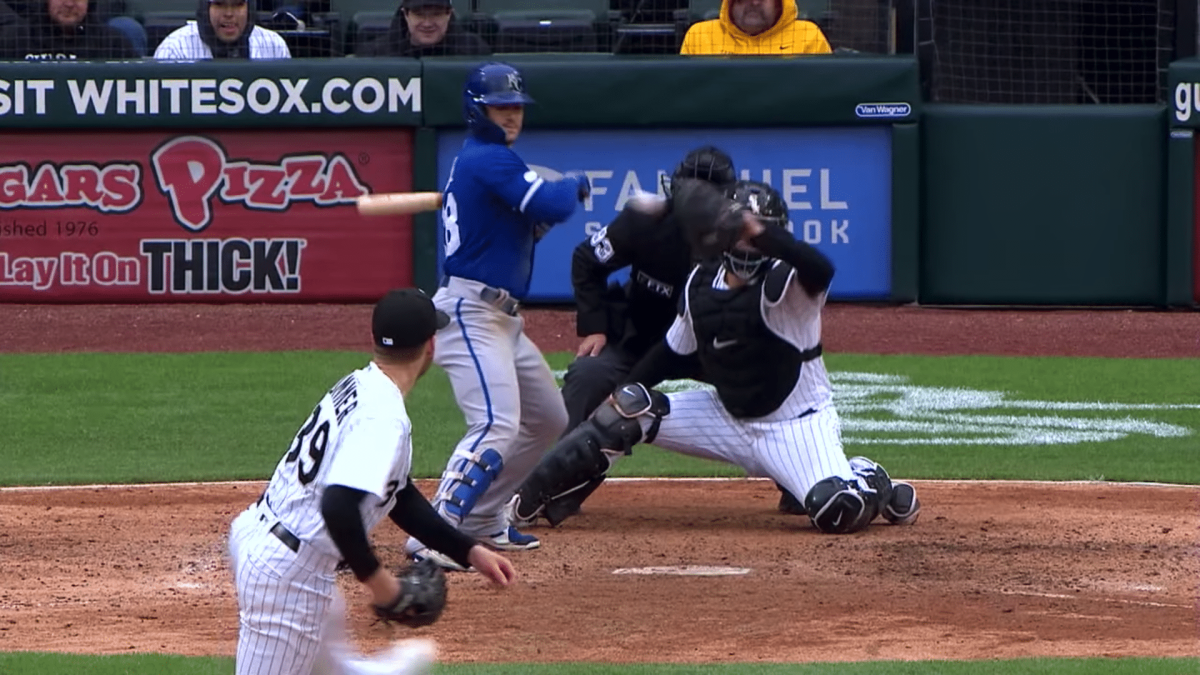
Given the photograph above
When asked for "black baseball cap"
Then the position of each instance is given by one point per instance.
(406, 318)
(416, 4)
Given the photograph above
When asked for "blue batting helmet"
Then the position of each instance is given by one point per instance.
(491, 84)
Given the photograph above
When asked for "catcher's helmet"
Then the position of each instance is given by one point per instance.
(763, 201)
(491, 84)
(706, 163)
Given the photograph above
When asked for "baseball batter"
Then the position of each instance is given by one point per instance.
(344, 471)
(753, 316)
(495, 209)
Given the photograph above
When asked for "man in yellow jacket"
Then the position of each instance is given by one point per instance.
(755, 27)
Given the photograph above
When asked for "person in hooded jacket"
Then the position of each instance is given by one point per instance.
(425, 28)
(62, 30)
(756, 27)
(223, 29)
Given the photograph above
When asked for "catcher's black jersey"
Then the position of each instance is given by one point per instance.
(656, 251)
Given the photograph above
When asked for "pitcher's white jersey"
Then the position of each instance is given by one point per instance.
(359, 435)
(795, 318)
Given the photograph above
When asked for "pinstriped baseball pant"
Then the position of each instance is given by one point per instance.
(795, 452)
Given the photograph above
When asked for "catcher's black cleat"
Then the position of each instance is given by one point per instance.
(789, 504)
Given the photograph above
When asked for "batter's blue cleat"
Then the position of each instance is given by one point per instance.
(513, 539)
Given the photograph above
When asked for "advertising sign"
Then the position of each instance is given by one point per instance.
(208, 93)
(217, 217)
(836, 182)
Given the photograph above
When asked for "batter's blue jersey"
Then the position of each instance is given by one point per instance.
(491, 206)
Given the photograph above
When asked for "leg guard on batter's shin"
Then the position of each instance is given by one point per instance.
(467, 480)
(838, 506)
(578, 463)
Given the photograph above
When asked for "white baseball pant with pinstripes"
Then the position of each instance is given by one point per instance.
(797, 452)
(291, 616)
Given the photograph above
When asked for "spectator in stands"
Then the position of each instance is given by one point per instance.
(223, 29)
(425, 28)
(62, 30)
(756, 27)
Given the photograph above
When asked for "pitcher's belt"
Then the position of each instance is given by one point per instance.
(278, 529)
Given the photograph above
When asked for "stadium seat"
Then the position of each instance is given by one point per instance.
(367, 26)
(529, 26)
(703, 10)
(650, 27)
(159, 24)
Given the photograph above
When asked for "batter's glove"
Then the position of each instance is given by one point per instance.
(585, 185)
(422, 595)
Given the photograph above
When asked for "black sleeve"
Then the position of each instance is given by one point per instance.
(414, 514)
(814, 270)
(659, 363)
(339, 508)
(593, 260)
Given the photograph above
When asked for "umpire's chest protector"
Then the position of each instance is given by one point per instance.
(752, 368)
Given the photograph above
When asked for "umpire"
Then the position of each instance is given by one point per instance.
(619, 324)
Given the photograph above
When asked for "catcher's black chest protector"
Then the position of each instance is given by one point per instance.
(752, 368)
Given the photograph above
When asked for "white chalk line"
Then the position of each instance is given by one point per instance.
(615, 479)
(1064, 596)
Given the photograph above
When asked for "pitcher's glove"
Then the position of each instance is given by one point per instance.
(422, 596)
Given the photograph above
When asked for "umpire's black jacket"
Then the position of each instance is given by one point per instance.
(638, 316)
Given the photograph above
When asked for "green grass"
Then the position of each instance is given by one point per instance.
(117, 418)
(151, 664)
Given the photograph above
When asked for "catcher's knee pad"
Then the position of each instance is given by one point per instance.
(467, 480)
(577, 464)
(838, 506)
(619, 418)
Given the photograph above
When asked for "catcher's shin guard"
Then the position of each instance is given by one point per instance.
(838, 506)
(579, 462)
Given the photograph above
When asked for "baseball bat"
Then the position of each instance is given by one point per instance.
(399, 203)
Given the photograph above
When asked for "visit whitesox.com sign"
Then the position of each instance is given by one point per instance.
(233, 216)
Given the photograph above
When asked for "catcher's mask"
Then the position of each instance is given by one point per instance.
(706, 163)
(763, 201)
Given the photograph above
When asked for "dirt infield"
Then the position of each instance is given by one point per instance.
(993, 570)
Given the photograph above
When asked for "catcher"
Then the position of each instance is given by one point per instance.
(346, 468)
(751, 312)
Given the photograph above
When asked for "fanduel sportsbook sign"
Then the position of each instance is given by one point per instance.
(257, 93)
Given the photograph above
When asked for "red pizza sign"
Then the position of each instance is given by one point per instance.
(229, 216)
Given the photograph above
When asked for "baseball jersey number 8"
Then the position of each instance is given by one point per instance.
(316, 446)
(450, 221)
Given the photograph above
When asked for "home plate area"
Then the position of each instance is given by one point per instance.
(687, 571)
